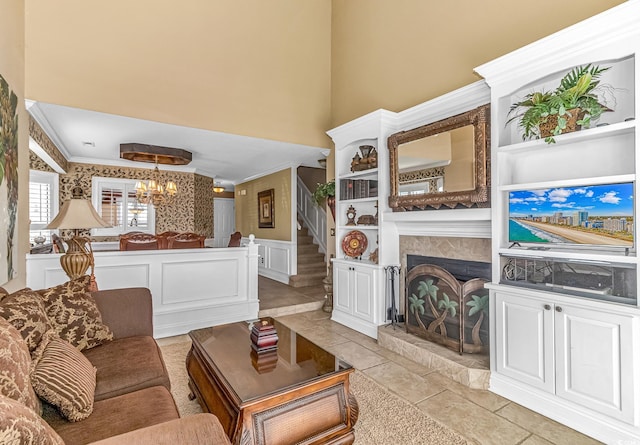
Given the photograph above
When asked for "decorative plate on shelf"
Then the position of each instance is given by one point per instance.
(354, 243)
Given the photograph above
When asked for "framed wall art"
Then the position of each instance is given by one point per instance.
(266, 218)
(8, 180)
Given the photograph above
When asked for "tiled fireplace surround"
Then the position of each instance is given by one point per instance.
(468, 369)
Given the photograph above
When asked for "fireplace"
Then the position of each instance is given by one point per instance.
(446, 302)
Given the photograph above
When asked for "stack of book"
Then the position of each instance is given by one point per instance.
(358, 188)
(264, 337)
(264, 347)
(264, 361)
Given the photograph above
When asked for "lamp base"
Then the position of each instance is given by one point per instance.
(78, 258)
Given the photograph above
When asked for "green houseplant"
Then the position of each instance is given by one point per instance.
(326, 191)
(571, 106)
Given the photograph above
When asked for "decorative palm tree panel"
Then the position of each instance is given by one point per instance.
(442, 309)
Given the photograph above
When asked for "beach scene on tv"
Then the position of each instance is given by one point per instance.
(595, 215)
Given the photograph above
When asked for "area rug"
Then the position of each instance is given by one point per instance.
(384, 417)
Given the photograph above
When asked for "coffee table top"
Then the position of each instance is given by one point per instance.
(227, 350)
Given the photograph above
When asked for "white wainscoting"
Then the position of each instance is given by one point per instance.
(191, 288)
(278, 259)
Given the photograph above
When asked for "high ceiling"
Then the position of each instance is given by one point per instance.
(92, 137)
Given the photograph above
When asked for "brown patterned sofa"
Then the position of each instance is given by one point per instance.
(119, 372)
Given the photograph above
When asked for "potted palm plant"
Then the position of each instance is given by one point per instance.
(571, 106)
(326, 191)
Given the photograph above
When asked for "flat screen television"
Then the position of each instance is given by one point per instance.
(594, 215)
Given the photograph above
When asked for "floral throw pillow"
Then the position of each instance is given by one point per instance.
(15, 364)
(25, 310)
(21, 425)
(74, 315)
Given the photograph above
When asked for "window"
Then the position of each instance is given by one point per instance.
(43, 203)
(115, 201)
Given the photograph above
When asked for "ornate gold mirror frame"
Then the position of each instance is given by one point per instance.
(478, 196)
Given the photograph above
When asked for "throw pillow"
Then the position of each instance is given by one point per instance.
(21, 425)
(15, 363)
(74, 314)
(25, 310)
(65, 378)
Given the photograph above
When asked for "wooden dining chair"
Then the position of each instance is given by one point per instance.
(186, 240)
(139, 241)
(235, 239)
(163, 238)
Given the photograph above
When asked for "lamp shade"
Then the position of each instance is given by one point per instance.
(77, 214)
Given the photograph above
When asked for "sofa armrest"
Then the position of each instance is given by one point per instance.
(127, 312)
(199, 429)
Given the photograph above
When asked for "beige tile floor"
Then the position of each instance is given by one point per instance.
(481, 416)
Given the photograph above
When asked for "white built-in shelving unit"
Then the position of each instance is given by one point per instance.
(568, 352)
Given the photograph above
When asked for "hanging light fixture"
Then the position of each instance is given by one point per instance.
(217, 188)
(153, 192)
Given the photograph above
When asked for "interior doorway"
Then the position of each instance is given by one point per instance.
(224, 221)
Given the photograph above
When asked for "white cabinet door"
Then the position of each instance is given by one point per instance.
(524, 340)
(594, 353)
(363, 293)
(342, 288)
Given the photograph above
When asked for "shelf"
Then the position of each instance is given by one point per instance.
(584, 254)
(568, 183)
(616, 129)
(357, 227)
(372, 173)
(355, 201)
(344, 259)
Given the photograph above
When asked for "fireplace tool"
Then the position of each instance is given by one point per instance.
(392, 312)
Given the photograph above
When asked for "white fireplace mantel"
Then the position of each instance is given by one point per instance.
(464, 223)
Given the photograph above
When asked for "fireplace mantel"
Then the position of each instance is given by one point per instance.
(465, 223)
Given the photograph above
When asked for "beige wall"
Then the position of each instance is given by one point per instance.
(252, 67)
(247, 206)
(397, 54)
(12, 69)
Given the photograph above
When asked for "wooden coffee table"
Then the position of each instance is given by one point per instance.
(298, 396)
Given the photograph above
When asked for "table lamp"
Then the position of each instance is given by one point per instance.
(77, 214)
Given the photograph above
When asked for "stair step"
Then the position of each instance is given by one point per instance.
(305, 240)
(312, 268)
(307, 248)
(310, 258)
(306, 279)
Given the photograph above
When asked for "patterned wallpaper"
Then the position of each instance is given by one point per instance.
(178, 216)
(36, 163)
(41, 138)
(203, 206)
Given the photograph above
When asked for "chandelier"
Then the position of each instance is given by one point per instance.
(154, 192)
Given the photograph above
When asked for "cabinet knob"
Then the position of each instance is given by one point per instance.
(547, 307)
(558, 309)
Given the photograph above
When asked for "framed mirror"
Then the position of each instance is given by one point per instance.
(445, 163)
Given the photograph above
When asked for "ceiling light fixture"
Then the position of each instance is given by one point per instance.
(217, 188)
(153, 192)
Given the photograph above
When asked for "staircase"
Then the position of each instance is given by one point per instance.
(312, 268)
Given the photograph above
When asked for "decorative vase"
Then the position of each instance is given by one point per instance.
(331, 202)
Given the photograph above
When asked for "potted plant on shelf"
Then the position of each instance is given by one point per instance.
(326, 191)
(571, 106)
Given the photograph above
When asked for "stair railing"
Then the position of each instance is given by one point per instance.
(314, 216)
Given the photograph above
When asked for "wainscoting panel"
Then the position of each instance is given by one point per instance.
(191, 288)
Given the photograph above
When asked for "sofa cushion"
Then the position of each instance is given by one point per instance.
(127, 364)
(74, 315)
(25, 310)
(21, 425)
(65, 378)
(119, 415)
(15, 364)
